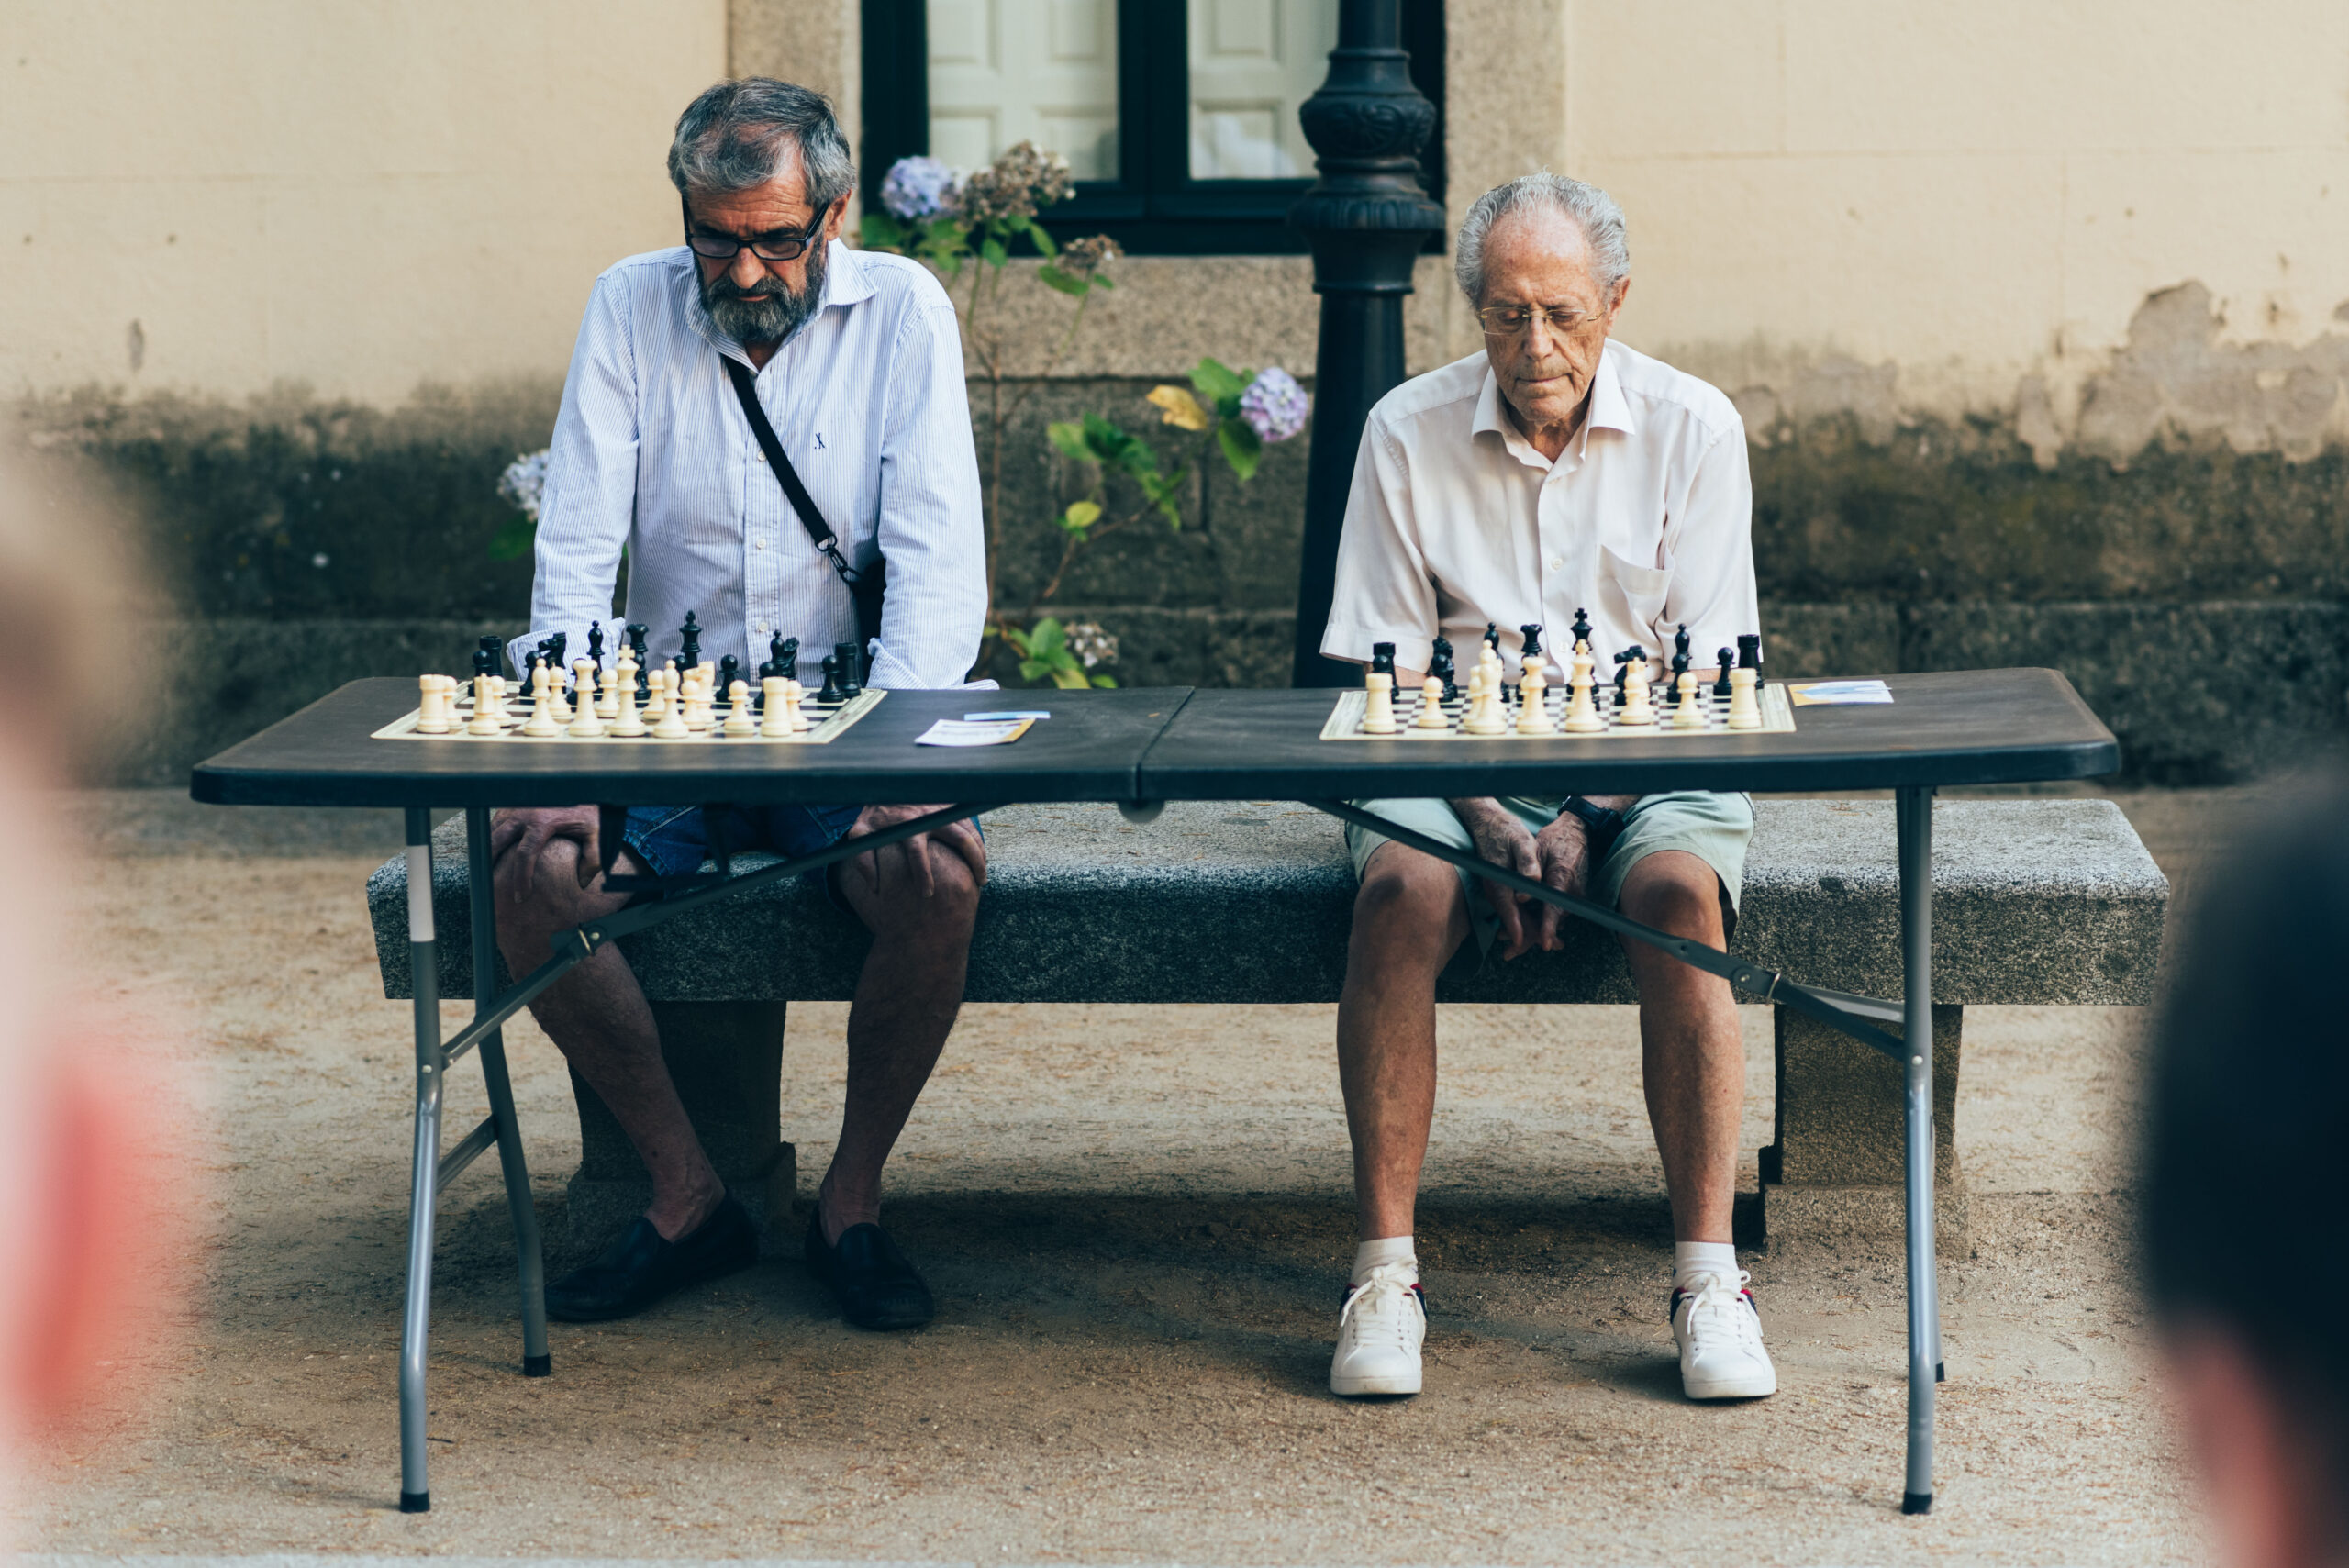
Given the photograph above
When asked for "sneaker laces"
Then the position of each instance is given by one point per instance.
(1382, 1321)
(1717, 1301)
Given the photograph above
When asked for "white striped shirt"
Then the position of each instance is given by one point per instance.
(652, 452)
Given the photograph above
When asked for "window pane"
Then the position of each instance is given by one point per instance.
(1040, 71)
(1253, 62)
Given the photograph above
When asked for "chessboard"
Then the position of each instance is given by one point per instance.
(1345, 718)
(827, 722)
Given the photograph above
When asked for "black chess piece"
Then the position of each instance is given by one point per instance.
(1680, 640)
(1679, 668)
(1749, 650)
(786, 658)
(485, 661)
(1532, 635)
(1440, 666)
(852, 675)
(1492, 637)
(729, 670)
(596, 643)
(830, 696)
(1720, 685)
(1622, 675)
(637, 631)
(689, 655)
(1581, 627)
(1382, 659)
(557, 646)
(494, 646)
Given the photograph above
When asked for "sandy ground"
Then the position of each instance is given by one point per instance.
(1137, 1222)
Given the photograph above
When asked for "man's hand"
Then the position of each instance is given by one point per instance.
(1502, 840)
(962, 838)
(532, 830)
(1565, 849)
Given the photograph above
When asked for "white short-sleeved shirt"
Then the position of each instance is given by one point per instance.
(1645, 521)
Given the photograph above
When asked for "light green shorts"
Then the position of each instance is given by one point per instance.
(1713, 827)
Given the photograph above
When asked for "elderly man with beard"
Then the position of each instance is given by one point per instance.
(1552, 472)
(856, 362)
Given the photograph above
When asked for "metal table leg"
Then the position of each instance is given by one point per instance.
(1913, 811)
(415, 1491)
(530, 1261)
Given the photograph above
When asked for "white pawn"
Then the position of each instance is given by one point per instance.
(431, 718)
(697, 699)
(793, 695)
(773, 723)
(1533, 699)
(607, 696)
(485, 720)
(672, 718)
(1638, 712)
(1688, 713)
(541, 721)
(1744, 712)
(1432, 715)
(585, 724)
(1582, 714)
(1484, 716)
(556, 675)
(738, 710)
(1378, 713)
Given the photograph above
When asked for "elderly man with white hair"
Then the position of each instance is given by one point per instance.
(1552, 472)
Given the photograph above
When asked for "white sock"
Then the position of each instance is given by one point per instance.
(1690, 1259)
(1386, 1250)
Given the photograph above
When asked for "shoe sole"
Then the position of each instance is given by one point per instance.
(1356, 1387)
(1734, 1388)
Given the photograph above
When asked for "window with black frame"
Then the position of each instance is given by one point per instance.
(1177, 117)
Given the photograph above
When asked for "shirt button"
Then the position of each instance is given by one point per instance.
(758, 457)
(762, 626)
(761, 544)
(1557, 563)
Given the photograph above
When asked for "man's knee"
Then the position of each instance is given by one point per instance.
(1674, 891)
(541, 889)
(1406, 901)
(945, 913)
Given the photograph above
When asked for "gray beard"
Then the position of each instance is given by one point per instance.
(770, 314)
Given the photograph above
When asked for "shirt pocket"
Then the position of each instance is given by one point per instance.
(1640, 589)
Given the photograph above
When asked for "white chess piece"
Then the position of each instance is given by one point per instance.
(774, 724)
(1378, 712)
(1688, 713)
(485, 720)
(585, 722)
(1638, 712)
(1484, 716)
(625, 718)
(663, 684)
(738, 710)
(608, 693)
(673, 718)
(431, 718)
(1432, 715)
(793, 695)
(541, 721)
(1533, 699)
(697, 714)
(1582, 717)
(1744, 712)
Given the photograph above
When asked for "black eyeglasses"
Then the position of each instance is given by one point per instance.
(781, 245)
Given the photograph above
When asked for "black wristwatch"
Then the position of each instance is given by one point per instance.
(1602, 825)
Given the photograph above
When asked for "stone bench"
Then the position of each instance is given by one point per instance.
(2036, 902)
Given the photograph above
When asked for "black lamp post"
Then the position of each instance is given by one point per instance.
(1366, 217)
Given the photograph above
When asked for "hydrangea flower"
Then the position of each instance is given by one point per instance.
(1090, 643)
(1018, 184)
(1274, 405)
(918, 189)
(522, 483)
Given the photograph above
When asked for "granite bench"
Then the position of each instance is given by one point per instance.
(2037, 902)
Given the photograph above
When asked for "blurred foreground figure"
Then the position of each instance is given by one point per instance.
(81, 1244)
(2249, 1128)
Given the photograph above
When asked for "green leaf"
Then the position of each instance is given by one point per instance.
(1052, 277)
(1070, 438)
(1104, 281)
(1242, 448)
(1030, 668)
(1071, 678)
(1111, 444)
(992, 252)
(1043, 240)
(1166, 495)
(515, 540)
(881, 232)
(1109, 681)
(1046, 639)
(1081, 516)
(1216, 380)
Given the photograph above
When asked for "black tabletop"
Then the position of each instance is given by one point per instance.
(1169, 743)
(327, 755)
(1972, 727)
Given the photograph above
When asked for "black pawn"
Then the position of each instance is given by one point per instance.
(1721, 686)
(637, 633)
(1679, 668)
(689, 655)
(786, 659)
(852, 678)
(729, 670)
(485, 661)
(830, 696)
(1440, 666)
(596, 643)
(1581, 627)
(1532, 635)
(1382, 659)
(1493, 636)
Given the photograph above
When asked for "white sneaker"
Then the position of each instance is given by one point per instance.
(1720, 1335)
(1380, 1330)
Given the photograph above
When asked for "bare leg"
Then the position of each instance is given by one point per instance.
(1692, 1051)
(1409, 919)
(598, 1016)
(905, 1007)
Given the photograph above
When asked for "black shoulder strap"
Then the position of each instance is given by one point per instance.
(780, 460)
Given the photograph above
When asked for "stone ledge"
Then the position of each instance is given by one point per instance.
(2036, 902)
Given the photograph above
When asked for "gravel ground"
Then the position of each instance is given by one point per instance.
(1137, 1222)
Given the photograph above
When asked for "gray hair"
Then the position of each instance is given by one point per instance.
(739, 135)
(1593, 210)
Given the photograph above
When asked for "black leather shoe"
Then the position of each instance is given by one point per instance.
(876, 1285)
(641, 1268)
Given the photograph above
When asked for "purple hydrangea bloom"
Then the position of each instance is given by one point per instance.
(918, 189)
(523, 481)
(1274, 405)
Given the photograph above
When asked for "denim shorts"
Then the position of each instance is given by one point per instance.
(674, 840)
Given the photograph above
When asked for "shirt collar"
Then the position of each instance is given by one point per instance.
(1609, 410)
(846, 282)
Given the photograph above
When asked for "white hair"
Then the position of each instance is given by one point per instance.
(1593, 210)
